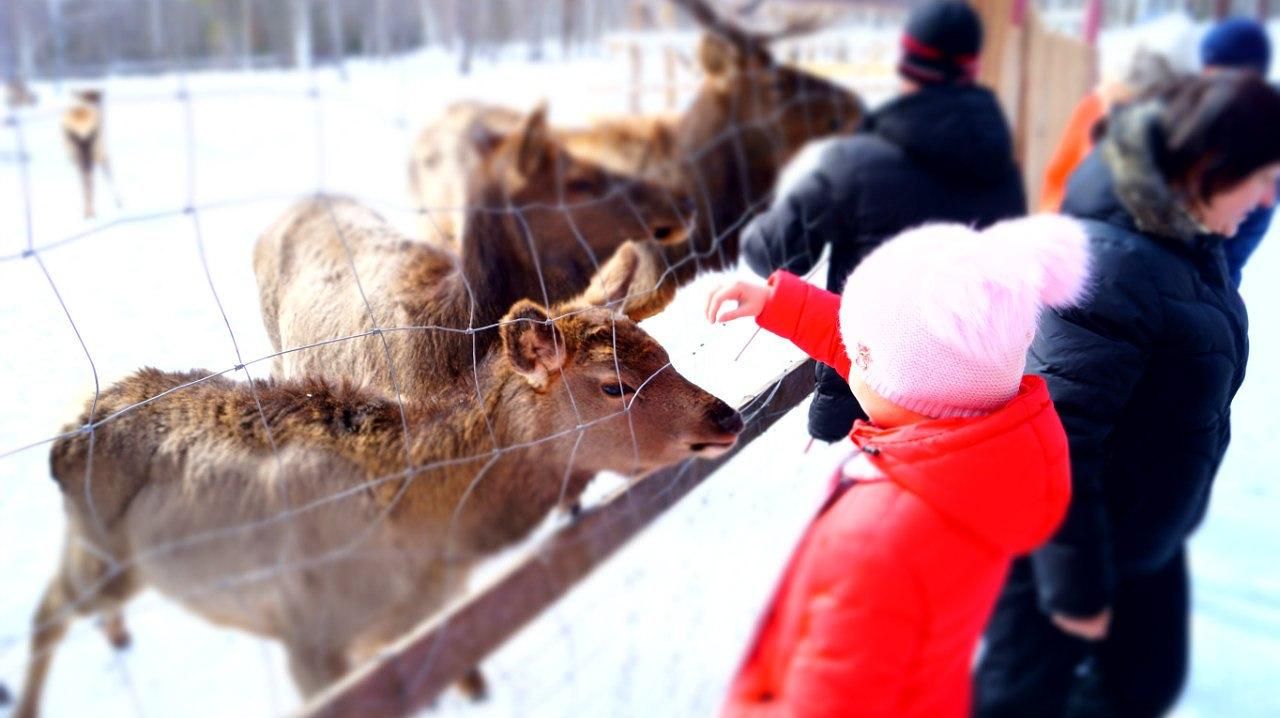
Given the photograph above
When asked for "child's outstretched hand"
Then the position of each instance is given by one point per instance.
(750, 299)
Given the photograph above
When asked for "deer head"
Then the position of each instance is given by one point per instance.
(745, 86)
(594, 368)
(570, 209)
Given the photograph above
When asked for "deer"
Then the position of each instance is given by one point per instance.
(748, 119)
(459, 145)
(332, 518)
(332, 268)
(452, 147)
(18, 94)
(82, 133)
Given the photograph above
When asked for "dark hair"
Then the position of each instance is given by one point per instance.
(1218, 130)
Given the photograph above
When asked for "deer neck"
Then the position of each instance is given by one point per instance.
(495, 256)
(735, 167)
(523, 466)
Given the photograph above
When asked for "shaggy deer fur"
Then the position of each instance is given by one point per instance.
(327, 526)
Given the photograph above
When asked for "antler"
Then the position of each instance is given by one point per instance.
(711, 21)
(793, 24)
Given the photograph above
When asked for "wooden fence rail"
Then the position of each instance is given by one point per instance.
(411, 673)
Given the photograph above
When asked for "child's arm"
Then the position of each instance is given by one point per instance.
(833, 672)
(791, 308)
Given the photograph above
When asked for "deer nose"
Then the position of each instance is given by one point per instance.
(728, 419)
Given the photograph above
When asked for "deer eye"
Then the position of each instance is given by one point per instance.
(615, 390)
(581, 185)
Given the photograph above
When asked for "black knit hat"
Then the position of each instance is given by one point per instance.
(941, 44)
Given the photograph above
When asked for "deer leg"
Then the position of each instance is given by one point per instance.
(48, 627)
(116, 632)
(473, 685)
(86, 186)
(314, 668)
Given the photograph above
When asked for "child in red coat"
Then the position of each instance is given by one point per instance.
(962, 466)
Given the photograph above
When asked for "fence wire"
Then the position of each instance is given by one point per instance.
(317, 92)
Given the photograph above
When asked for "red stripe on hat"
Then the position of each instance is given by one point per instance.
(929, 52)
(914, 46)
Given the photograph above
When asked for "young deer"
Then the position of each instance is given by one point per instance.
(318, 521)
(82, 132)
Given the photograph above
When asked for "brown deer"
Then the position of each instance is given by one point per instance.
(750, 116)
(82, 132)
(605, 207)
(334, 519)
(453, 147)
(18, 94)
(331, 268)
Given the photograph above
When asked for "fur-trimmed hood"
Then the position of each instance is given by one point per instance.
(1129, 149)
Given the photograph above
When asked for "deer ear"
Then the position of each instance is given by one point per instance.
(532, 344)
(717, 55)
(535, 138)
(634, 280)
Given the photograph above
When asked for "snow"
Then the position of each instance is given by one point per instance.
(657, 630)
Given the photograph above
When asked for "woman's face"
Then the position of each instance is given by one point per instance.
(1227, 209)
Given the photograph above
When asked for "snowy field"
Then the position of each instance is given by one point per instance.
(659, 629)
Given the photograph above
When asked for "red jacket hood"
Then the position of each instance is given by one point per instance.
(1005, 477)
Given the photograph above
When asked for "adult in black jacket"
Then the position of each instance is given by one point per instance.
(1142, 374)
(942, 151)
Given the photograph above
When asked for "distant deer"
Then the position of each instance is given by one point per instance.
(18, 94)
(432, 297)
(331, 529)
(750, 116)
(82, 132)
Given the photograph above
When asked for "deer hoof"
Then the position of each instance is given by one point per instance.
(120, 641)
(117, 635)
(474, 686)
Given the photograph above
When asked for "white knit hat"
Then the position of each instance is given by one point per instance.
(938, 320)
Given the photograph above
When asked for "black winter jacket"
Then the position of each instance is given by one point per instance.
(939, 154)
(1142, 374)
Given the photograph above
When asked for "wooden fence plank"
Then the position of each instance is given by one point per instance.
(408, 675)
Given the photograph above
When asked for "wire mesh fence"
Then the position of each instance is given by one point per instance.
(440, 420)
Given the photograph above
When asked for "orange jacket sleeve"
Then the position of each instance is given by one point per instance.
(1072, 148)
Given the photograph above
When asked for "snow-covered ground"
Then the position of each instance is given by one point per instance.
(658, 629)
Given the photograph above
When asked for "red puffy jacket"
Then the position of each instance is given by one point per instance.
(881, 606)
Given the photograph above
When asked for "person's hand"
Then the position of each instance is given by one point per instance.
(1093, 628)
(750, 299)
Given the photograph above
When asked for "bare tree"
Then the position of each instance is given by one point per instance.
(427, 16)
(537, 28)
(300, 21)
(246, 33)
(464, 15)
(568, 25)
